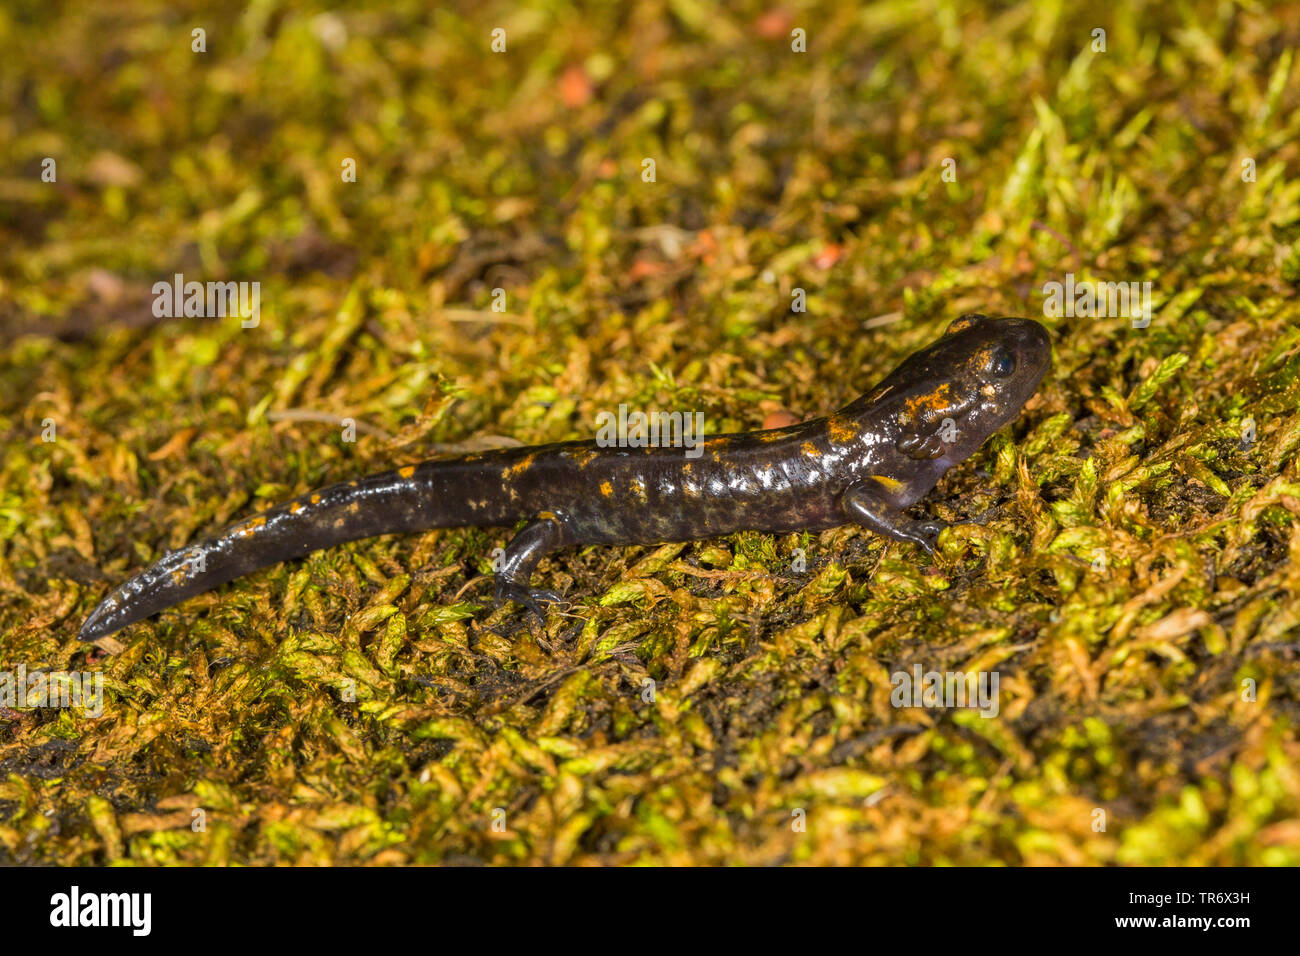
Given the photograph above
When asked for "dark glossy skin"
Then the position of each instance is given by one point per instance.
(863, 465)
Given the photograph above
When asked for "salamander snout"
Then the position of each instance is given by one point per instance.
(994, 365)
(1028, 341)
(1010, 354)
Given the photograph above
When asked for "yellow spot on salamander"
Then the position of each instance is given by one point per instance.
(606, 488)
(809, 449)
(295, 507)
(252, 525)
(518, 468)
(893, 484)
(178, 576)
(315, 499)
(937, 400)
(841, 430)
(407, 472)
(715, 447)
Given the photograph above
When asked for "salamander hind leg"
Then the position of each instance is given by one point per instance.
(871, 508)
(514, 568)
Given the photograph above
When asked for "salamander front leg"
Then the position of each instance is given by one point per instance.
(515, 567)
(872, 509)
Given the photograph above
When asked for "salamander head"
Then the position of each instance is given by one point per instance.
(949, 397)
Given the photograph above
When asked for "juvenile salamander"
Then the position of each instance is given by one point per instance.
(863, 465)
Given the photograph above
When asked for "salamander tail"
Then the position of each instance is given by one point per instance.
(395, 501)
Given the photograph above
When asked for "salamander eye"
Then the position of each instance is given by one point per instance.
(1004, 363)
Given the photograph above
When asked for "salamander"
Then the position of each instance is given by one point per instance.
(863, 464)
